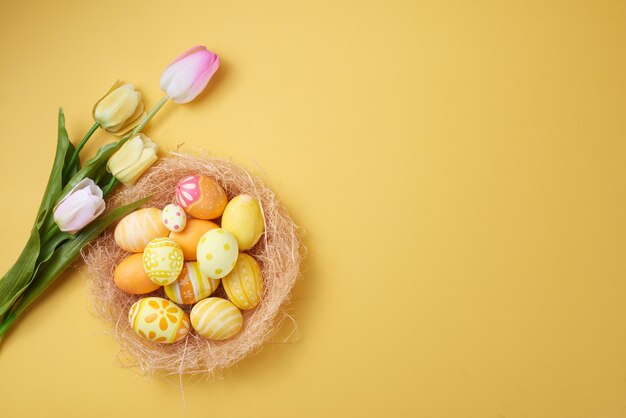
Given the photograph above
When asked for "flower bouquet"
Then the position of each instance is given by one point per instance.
(183, 293)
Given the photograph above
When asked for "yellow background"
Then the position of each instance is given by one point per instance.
(458, 168)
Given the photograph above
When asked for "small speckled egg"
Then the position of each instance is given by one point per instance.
(174, 218)
(244, 219)
(244, 285)
(159, 320)
(217, 253)
(163, 260)
(191, 286)
(216, 318)
(201, 197)
(138, 228)
(131, 277)
(190, 237)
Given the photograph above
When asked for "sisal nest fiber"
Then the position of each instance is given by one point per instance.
(278, 252)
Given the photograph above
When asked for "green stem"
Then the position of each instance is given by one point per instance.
(149, 116)
(110, 186)
(80, 147)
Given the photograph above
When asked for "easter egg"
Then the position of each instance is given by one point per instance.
(163, 260)
(244, 219)
(216, 318)
(201, 197)
(244, 284)
(159, 320)
(217, 253)
(191, 286)
(189, 238)
(131, 277)
(138, 228)
(174, 218)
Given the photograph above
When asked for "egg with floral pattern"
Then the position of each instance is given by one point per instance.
(163, 260)
(174, 218)
(191, 286)
(201, 197)
(159, 320)
(217, 253)
(216, 318)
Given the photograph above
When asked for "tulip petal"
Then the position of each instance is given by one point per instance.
(127, 155)
(189, 74)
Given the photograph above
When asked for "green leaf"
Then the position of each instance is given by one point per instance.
(15, 281)
(68, 252)
(55, 181)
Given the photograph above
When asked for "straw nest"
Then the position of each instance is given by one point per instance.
(279, 254)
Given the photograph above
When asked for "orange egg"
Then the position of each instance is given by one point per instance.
(131, 277)
(201, 197)
(189, 237)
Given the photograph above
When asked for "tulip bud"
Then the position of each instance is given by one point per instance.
(120, 109)
(82, 205)
(132, 159)
(188, 75)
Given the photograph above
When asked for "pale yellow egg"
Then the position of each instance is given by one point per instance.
(243, 218)
(217, 253)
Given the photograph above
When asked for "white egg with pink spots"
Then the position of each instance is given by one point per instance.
(174, 218)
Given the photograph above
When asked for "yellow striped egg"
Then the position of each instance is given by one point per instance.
(159, 320)
(216, 318)
(217, 253)
(244, 285)
(191, 286)
(138, 228)
(163, 260)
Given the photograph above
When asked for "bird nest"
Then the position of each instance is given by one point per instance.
(279, 253)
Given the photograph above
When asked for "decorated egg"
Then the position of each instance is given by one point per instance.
(244, 284)
(217, 253)
(201, 197)
(159, 320)
(131, 277)
(163, 260)
(189, 238)
(138, 228)
(174, 218)
(244, 219)
(216, 318)
(191, 286)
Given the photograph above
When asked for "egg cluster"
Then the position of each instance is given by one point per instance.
(183, 250)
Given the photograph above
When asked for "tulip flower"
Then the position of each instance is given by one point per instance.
(120, 109)
(188, 75)
(132, 159)
(83, 204)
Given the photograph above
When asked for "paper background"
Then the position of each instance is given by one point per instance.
(458, 168)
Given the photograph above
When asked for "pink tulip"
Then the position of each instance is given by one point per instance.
(81, 206)
(188, 75)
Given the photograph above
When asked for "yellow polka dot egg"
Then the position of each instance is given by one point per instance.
(217, 253)
(163, 260)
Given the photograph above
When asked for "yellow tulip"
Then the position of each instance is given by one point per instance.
(120, 109)
(132, 159)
